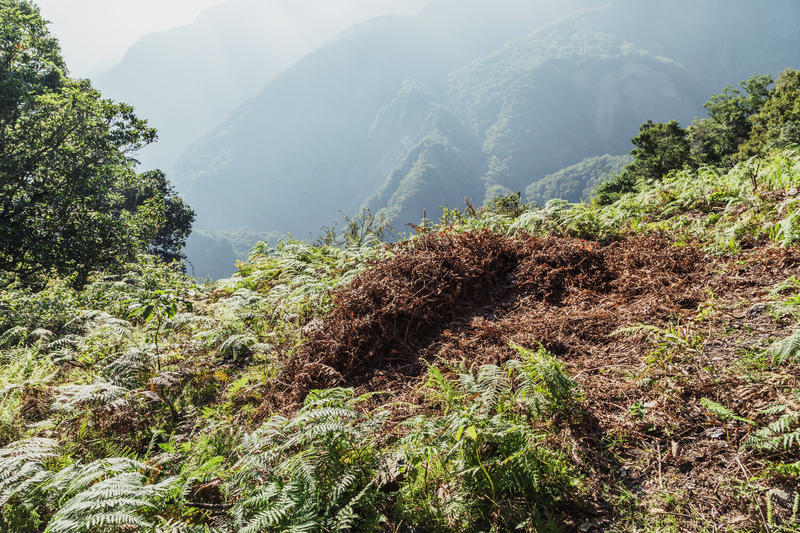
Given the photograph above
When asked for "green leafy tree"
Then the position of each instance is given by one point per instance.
(778, 121)
(714, 140)
(659, 149)
(65, 164)
(170, 239)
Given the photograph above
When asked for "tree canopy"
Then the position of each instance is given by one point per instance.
(70, 197)
(739, 127)
(658, 150)
(778, 120)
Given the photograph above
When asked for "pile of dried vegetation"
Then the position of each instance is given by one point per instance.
(569, 368)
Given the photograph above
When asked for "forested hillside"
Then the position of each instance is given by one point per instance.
(556, 93)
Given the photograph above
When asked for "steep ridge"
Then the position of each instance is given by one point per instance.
(565, 92)
(188, 79)
(292, 155)
(442, 158)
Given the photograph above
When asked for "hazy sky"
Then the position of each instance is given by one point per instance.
(96, 31)
(91, 31)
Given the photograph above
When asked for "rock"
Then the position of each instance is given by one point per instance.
(714, 433)
(394, 470)
(676, 450)
(792, 192)
(781, 496)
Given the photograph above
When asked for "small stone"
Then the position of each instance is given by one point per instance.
(792, 192)
(676, 450)
(756, 310)
(782, 497)
(715, 433)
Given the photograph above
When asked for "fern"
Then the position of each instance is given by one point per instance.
(489, 458)
(115, 503)
(13, 336)
(782, 433)
(723, 412)
(542, 383)
(786, 349)
(72, 398)
(310, 472)
(23, 468)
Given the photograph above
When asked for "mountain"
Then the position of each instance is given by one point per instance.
(576, 182)
(565, 92)
(442, 157)
(405, 114)
(293, 155)
(187, 79)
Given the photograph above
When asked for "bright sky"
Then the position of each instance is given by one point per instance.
(93, 31)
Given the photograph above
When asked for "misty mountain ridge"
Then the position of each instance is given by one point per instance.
(187, 79)
(395, 115)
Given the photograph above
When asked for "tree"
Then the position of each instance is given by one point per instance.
(171, 237)
(714, 140)
(658, 150)
(778, 120)
(66, 165)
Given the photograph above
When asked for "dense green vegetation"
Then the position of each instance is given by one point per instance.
(577, 182)
(142, 401)
(739, 127)
(70, 198)
(620, 365)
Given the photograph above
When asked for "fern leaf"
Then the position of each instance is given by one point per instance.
(788, 348)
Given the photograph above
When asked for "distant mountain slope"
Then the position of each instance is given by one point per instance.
(443, 160)
(480, 27)
(576, 182)
(565, 92)
(188, 79)
(290, 157)
(395, 114)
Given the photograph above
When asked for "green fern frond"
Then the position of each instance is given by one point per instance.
(13, 336)
(118, 502)
(542, 382)
(723, 412)
(788, 348)
(73, 397)
(23, 465)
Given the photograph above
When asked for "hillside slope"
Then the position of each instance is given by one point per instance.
(187, 79)
(295, 153)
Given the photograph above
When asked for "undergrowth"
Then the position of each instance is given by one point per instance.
(148, 402)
